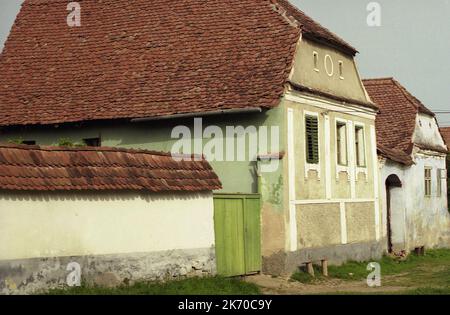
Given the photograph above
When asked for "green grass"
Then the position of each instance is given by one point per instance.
(304, 277)
(427, 291)
(415, 267)
(191, 286)
(419, 275)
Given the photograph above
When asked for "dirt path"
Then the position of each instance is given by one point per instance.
(285, 286)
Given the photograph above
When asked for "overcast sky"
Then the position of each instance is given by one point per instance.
(412, 44)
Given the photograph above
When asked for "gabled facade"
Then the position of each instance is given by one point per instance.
(445, 132)
(413, 169)
(255, 65)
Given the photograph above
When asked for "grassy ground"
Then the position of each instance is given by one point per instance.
(416, 275)
(429, 274)
(304, 277)
(191, 286)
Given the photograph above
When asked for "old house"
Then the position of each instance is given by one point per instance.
(273, 99)
(413, 169)
(445, 132)
(111, 211)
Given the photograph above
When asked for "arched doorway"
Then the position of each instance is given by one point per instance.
(393, 181)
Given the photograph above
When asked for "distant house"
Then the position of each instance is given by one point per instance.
(445, 131)
(121, 215)
(413, 169)
(137, 71)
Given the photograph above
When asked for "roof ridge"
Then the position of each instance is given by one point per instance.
(413, 100)
(91, 149)
(369, 80)
(337, 40)
(283, 12)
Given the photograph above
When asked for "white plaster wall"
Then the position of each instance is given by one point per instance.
(427, 131)
(426, 220)
(76, 224)
(428, 217)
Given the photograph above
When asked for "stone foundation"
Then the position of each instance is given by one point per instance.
(35, 275)
(283, 263)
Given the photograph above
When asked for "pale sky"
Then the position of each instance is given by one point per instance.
(412, 44)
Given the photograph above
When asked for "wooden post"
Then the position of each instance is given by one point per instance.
(310, 268)
(325, 267)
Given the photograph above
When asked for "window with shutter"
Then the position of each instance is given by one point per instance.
(312, 139)
(428, 181)
(439, 182)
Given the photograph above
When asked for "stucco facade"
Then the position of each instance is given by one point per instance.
(419, 218)
(296, 198)
(422, 220)
(114, 236)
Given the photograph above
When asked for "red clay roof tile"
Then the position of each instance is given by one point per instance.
(445, 132)
(396, 120)
(314, 30)
(58, 168)
(140, 58)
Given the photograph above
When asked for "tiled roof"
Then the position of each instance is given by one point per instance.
(312, 29)
(396, 120)
(34, 168)
(141, 58)
(395, 155)
(445, 132)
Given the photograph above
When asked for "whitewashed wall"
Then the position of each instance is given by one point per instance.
(427, 131)
(78, 224)
(416, 220)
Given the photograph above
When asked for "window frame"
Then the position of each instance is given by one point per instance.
(87, 140)
(307, 142)
(362, 128)
(28, 142)
(338, 125)
(428, 181)
(308, 166)
(440, 186)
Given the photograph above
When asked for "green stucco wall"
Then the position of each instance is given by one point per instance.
(236, 176)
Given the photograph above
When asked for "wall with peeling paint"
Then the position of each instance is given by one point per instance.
(114, 236)
(36, 225)
(336, 207)
(236, 176)
(417, 220)
(427, 132)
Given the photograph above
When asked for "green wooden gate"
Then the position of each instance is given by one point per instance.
(238, 234)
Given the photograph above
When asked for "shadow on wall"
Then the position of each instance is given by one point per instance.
(101, 196)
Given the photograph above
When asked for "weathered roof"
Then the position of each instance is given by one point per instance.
(34, 168)
(445, 132)
(313, 30)
(141, 58)
(395, 155)
(396, 120)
